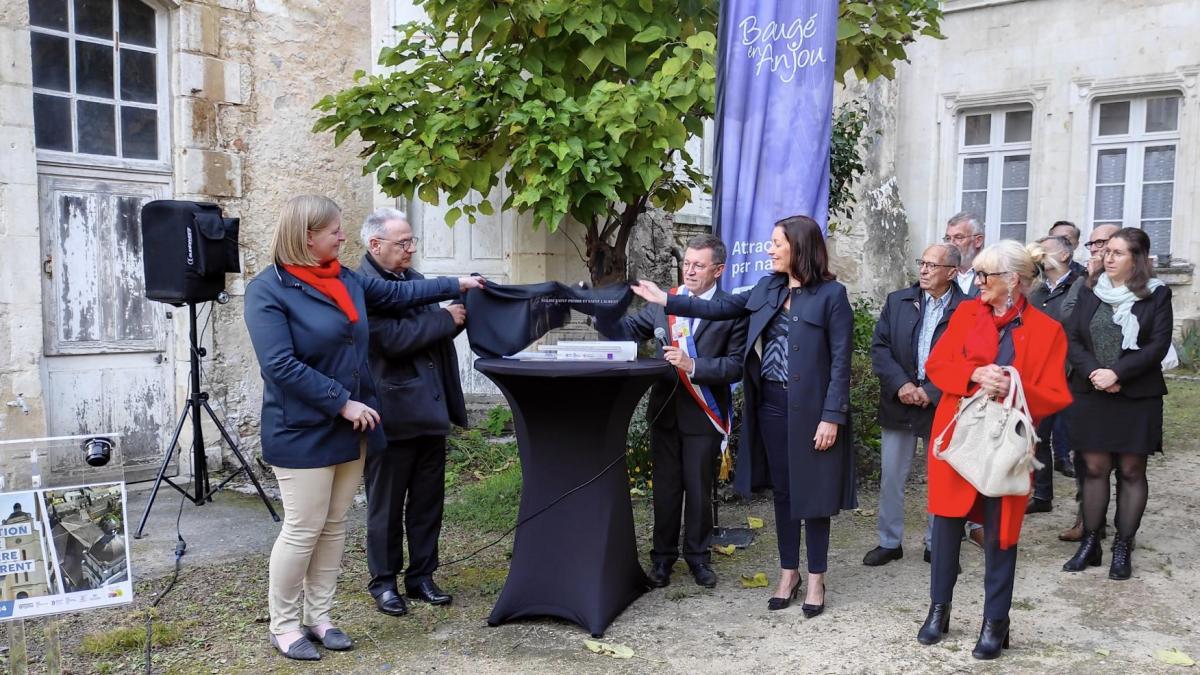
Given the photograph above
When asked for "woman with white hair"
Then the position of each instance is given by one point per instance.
(307, 318)
(998, 328)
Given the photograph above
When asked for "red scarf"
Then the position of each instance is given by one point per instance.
(983, 342)
(325, 279)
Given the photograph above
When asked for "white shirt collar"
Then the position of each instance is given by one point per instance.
(707, 295)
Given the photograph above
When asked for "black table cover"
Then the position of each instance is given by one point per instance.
(578, 560)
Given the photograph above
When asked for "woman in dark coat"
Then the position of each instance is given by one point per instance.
(1119, 333)
(795, 421)
(307, 318)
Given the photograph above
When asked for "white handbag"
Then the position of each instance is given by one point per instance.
(993, 442)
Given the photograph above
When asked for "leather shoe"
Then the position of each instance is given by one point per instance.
(660, 574)
(334, 639)
(427, 591)
(703, 574)
(882, 556)
(928, 557)
(389, 602)
(1036, 505)
(300, 650)
(1064, 467)
(976, 536)
(993, 637)
(937, 624)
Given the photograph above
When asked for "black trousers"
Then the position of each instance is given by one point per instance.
(406, 489)
(1043, 478)
(683, 474)
(1000, 566)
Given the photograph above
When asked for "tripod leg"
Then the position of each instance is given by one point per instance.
(162, 470)
(242, 460)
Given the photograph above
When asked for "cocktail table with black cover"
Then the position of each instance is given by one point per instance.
(578, 560)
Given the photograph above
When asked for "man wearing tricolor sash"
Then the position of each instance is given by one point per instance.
(689, 411)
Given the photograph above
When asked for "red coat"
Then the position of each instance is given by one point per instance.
(1040, 348)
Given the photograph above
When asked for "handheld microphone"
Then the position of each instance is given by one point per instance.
(660, 335)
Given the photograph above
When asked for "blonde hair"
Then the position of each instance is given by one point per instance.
(1009, 255)
(300, 215)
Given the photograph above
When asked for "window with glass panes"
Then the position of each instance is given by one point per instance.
(993, 169)
(96, 77)
(1134, 143)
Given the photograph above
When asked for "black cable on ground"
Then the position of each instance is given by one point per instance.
(180, 548)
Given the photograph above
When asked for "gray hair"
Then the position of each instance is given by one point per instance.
(969, 218)
(703, 241)
(372, 227)
(950, 253)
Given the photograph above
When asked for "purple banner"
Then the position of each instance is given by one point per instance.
(774, 118)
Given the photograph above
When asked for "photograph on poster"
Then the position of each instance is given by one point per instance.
(87, 525)
(22, 551)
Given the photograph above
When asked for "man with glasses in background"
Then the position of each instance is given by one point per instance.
(413, 359)
(1069, 232)
(911, 322)
(964, 231)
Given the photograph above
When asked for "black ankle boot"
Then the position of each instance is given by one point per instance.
(937, 624)
(1122, 559)
(1089, 554)
(993, 636)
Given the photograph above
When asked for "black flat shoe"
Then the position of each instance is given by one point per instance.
(811, 611)
(1036, 505)
(993, 636)
(782, 603)
(1088, 555)
(936, 625)
(334, 639)
(882, 556)
(427, 591)
(390, 603)
(300, 650)
(660, 575)
(704, 575)
(927, 556)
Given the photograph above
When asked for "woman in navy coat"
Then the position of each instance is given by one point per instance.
(795, 421)
(307, 318)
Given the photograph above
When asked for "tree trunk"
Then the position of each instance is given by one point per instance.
(607, 261)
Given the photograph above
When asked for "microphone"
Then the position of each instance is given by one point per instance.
(660, 335)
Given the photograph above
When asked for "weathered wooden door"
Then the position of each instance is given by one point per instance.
(105, 344)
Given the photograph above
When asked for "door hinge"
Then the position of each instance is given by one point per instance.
(48, 266)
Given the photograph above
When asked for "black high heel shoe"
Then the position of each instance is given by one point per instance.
(937, 624)
(782, 603)
(814, 610)
(993, 636)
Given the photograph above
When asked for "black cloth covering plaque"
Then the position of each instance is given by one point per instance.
(504, 319)
(578, 560)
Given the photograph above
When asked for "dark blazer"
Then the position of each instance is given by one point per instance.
(1139, 371)
(415, 365)
(1053, 303)
(721, 346)
(313, 360)
(894, 356)
(820, 341)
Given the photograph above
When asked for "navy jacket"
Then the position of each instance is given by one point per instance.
(721, 346)
(894, 356)
(313, 360)
(820, 343)
(1139, 371)
(415, 365)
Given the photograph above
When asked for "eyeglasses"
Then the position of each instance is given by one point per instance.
(982, 278)
(406, 244)
(699, 267)
(925, 264)
(1095, 243)
(959, 238)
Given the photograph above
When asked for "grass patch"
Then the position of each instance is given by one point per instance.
(118, 641)
(490, 504)
(471, 456)
(1181, 413)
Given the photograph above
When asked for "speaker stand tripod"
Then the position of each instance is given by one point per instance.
(197, 403)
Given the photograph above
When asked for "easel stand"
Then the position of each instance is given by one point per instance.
(196, 404)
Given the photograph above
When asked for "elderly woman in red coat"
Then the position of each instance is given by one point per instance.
(998, 328)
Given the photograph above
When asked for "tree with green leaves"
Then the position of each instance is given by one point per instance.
(582, 107)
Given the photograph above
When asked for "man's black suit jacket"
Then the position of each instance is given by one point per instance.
(721, 346)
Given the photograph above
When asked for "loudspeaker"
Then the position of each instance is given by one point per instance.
(187, 248)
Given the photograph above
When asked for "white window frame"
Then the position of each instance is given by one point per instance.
(1135, 143)
(160, 106)
(996, 151)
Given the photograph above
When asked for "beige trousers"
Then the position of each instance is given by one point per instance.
(307, 556)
